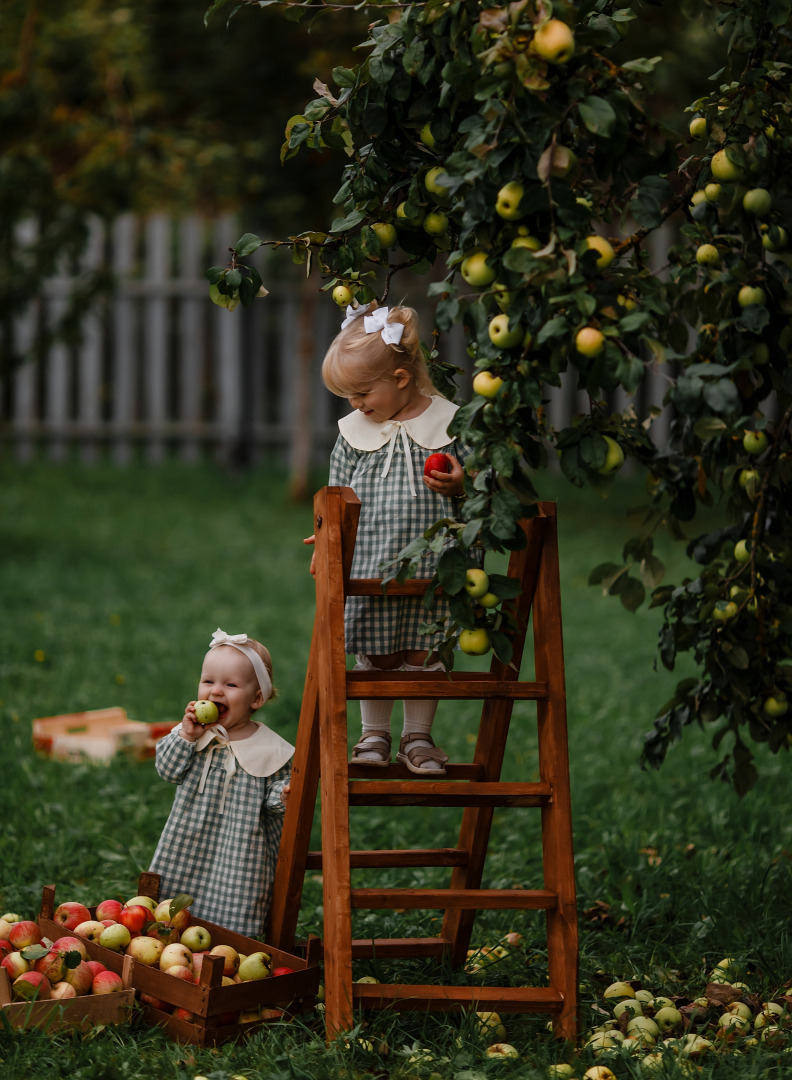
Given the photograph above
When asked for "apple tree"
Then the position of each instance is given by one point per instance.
(514, 152)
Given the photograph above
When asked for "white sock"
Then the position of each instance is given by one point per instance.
(375, 714)
(419, 714)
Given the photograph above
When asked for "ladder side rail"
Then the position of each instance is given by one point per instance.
(298, 817)
(335, 532)
(557, 847)
(491, 743)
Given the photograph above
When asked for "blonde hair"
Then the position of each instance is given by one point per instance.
(355, 355)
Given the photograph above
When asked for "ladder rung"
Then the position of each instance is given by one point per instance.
(462, 899)
(539, 999)
(373, 587)
(445, 793)
(398, 948)
(394, 857)
(452, 685)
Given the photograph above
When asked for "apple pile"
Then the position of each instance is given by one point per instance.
(45, 970)
(726, 1017)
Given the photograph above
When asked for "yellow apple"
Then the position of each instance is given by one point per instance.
(508, 201)
(436, 223)
(432, 184)
(342, 295)
(757, 201)
(474, 642)
(500, 334)
(485, 384)
(751, 294)
(606, 252)
(386, 233)
(754, 442)
(724, 610)
(554, 42)
(206, 712)
(525, 241)
(426, 136)
(723, 168)
(476, 270)
(776, 705)
(742, 551)
(476, 582)
(589, 341)
(614, 459)
(698, 127)
(712, 192)
(707, 255)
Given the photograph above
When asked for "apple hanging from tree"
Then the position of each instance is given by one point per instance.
(476, 582)
(507, 204)
(474, 642)
(342, 295)
(476, 270)
(554, 41)
(486, 385)
(589, 341)
(754, 442)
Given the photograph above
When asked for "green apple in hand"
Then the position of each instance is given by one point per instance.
(206, 712)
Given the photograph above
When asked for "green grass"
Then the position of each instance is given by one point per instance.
(112, 583)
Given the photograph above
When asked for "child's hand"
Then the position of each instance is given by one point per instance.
(190, 728)
(312, 540)
(447, 483)
(285, 793)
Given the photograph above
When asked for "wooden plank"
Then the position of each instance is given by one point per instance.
(445, 793)
(557, 848)
(374, 587)
(392, 948)
(155, 330)
(503, 999)
(439, 684)
(392, 857)
(191, 337)
(331, 542)
(124, 345)
(466, 899)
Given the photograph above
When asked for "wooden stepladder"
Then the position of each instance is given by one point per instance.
(322, 758)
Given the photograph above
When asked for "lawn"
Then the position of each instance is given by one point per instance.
(112, 583)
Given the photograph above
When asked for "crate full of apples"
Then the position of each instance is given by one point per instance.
(201, 982)
(51, 983)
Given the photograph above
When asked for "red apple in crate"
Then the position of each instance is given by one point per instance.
(155, 1002)
(437, 463)
(144, 901)
(180, 920)
(24, 933)
(134, 917)
(69, 944)
(5, 947)
(107, 982)
(96, 966)
(175, 954)
(63, 990)
(168, 935)
(53, 965)
(183, 1014)
(283, 970)
(30, 985)
(15, 964)
(181, 971)
(145, 950)
(109, 909)
(81, 977)
(91, 929)
(70, 915)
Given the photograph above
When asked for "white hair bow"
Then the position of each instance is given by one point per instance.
(240, 643)
(220, 637)
(391, 333)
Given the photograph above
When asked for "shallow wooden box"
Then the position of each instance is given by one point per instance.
(84, 1012)
(213, 1005)
(96, 735)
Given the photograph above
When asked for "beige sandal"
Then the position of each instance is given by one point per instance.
(417, 756)
(373, 742)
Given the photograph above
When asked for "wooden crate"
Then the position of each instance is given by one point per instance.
(84, 1012)
(214, 1006)
(96, 735)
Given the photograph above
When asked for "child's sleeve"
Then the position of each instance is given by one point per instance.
(275, 785)
(174, 756)
(342, 463)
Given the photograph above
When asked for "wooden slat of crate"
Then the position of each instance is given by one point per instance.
(82, 1012)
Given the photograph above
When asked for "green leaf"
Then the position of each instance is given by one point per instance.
(343, 77)
(179, 903)
(247, 244)
(598, 115)
(452, 571)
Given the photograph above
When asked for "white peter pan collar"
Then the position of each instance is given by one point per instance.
(260, 754)
(429, 430)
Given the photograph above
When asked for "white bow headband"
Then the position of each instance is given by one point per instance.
(391, 333)
(240, 642)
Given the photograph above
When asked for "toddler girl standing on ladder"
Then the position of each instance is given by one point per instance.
(399, 419)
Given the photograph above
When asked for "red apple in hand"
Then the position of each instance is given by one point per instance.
(437, 463)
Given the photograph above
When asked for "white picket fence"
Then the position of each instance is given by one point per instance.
(161, 370)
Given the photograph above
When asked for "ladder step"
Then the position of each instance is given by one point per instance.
(503, 999)
(445, 793)
(374, 587)
(394, 857)
(451, 685)
(461, 899)
(391, 948)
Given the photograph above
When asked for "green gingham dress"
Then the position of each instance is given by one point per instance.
(391, 517)
(220, 843)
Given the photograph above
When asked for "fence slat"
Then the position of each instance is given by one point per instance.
(190, 338)
(155, 330)
(125, 350)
